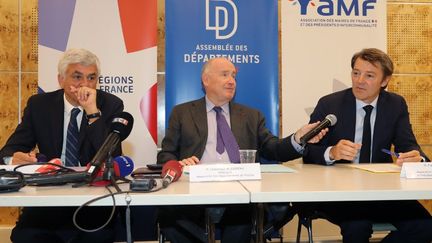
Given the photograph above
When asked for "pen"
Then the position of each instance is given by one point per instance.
(390, 152)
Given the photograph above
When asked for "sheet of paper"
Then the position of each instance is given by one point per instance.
(377, 167)
(276, 168)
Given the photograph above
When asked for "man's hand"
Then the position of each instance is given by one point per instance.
(189, 161)
(23, 158)
(86, 98)
(305, 129)
(344, 149)
(411, 156)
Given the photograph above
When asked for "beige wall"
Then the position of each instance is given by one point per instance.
(409, 44)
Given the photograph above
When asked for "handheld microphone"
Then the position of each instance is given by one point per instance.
(330, 120)
(171, 171)
(121, 127)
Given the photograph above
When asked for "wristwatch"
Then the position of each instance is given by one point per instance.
(94, 115)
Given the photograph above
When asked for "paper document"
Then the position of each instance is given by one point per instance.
(276, 168)
(377, 168)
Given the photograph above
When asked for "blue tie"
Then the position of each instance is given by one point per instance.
(72, 142)
(225, 137)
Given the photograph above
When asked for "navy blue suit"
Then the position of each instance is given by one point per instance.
(392, 127)
(42, 126)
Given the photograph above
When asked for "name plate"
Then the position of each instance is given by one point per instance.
(416, 170)
(225, 172)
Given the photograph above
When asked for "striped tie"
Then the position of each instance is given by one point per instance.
(72, 144)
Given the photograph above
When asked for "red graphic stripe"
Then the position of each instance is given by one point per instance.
(139, 23)
(148, 109)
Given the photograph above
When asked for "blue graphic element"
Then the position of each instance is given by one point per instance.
(55, 20)
(192, 38)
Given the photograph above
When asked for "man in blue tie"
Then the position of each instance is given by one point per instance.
(212, 130)
(70, 123)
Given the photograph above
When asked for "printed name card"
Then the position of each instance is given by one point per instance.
(416, 170)
(225, 172)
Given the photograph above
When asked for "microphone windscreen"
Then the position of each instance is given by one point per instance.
(172, 165)
(125, 165)
(41, 157)
(46, 168)
(122, 124)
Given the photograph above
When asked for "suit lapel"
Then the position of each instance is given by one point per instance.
(237, 120)
(350, 115)
(57, 108)
(380, 124)
(199, 118)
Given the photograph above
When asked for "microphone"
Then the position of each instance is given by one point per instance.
(330, 120)
(125, 165)
(41, 157)
(49, 166)
(59, 178)
(121, 126)
(171, 171)
(122, 165)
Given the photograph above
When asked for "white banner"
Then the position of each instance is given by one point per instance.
(117, 32)
(318, 41)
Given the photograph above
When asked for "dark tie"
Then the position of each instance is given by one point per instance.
(225, 137)
(366, 140)
(72, 144)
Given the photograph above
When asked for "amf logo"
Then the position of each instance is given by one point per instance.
(336, 7)
(222, 17)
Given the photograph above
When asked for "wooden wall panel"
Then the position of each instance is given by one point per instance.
(8, 35)
(29, 36)
(409, 37)
(417, 90)
(29, 84)
(8, 105)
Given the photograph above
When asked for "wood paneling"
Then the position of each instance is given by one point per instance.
(409, 37)
(8, 105)
(9, 35)
(29, 36)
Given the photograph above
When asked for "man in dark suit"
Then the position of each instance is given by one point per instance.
(350, 142)
(191, 138)
(44, 125)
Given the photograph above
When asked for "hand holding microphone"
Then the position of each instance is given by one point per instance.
(317, 130)
(171, 171)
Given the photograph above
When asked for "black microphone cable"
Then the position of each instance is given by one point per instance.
(112, 194)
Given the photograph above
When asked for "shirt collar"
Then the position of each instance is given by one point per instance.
(68, 106)
(360, 104)
(210, 105)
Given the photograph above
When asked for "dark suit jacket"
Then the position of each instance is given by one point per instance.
(187, 133)
(392, 125)
(42, 125)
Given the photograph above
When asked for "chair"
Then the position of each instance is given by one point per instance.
(277, 215)
(305, 219)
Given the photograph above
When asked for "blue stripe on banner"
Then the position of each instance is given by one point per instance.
(244, 31)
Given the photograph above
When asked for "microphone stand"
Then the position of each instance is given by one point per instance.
(109, 173)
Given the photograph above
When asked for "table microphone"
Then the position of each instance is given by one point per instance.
(171, 171)
(123, 166)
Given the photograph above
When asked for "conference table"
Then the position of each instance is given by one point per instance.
(318, 183)
(180, 192)
(306, 183)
